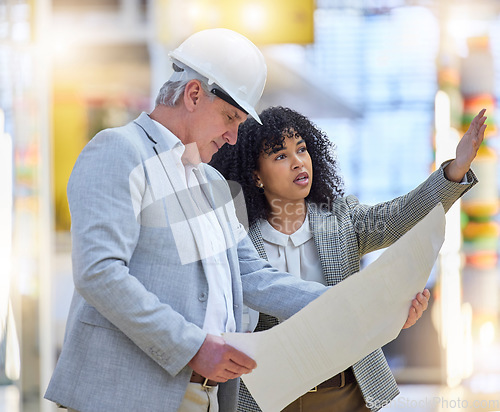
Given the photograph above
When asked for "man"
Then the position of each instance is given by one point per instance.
(160, 261)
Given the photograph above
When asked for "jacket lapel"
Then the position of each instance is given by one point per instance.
(324, 228)
(219, 196)
(166, 186)
(256, 237)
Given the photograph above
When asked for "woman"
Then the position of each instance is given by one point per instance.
(301, 222)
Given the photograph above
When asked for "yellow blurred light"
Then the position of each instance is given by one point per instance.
(254, 17)
(202, 10)
(60, 47)
(194, 11)
(262, 21)
(487, 333)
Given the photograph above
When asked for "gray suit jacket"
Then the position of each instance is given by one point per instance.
(138, 309)
(346, 233)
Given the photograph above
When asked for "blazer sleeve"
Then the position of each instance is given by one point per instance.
(379, 226)
(105, 233)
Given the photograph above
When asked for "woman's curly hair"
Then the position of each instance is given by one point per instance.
(239, 162)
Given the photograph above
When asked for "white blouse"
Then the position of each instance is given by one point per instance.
(295, 253)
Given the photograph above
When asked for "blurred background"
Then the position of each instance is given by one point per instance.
(394, 83)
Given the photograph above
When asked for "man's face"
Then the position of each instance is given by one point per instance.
(214, 123)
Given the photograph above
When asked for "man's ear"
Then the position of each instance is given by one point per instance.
(192, 94)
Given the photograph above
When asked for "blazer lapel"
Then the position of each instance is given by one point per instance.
(166, 186)
(256, 237)
(219, 197)
(324, 227)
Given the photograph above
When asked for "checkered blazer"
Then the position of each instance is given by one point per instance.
(342, 236)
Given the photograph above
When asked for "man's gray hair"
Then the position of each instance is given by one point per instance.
(171, 91)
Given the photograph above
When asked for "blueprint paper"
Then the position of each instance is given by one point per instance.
(349, 321)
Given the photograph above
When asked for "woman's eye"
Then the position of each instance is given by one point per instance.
(279, 157)
(303, 149)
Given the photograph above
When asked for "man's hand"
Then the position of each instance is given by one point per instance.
(418, 305)
(467, 149)
(219, 361)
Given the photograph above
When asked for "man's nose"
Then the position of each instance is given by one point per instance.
(231, 136)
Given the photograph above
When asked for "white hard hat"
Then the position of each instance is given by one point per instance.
(228, 60)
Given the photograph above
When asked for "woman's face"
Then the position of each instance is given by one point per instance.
(286, 173)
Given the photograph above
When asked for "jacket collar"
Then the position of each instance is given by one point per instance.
(158, 134)
(323, 226)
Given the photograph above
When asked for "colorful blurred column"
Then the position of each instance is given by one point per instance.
(450, 321)
(469, 299)
(10, 362)
(17, 100)
(26, 102)
(480, 206)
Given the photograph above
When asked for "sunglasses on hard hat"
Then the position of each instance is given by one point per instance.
(228, 99)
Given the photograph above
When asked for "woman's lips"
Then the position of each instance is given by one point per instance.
(302, 179)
